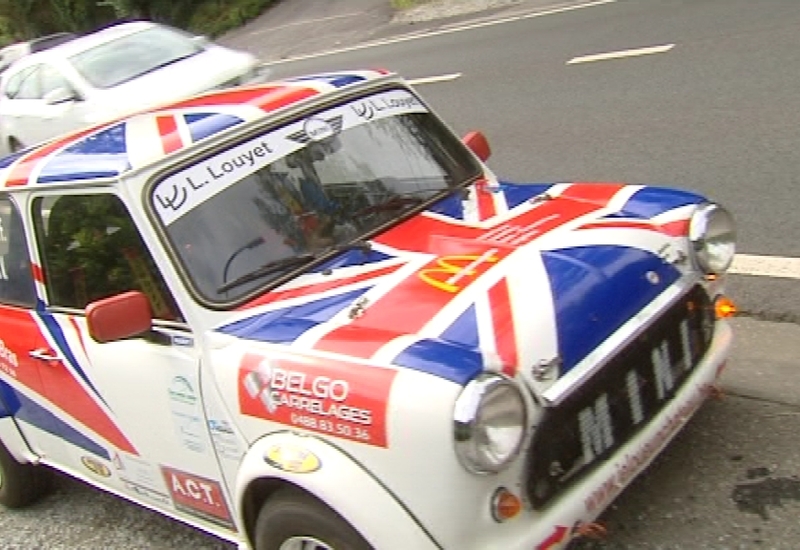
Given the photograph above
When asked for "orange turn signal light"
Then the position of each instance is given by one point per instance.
(505, 505)
(724, 307)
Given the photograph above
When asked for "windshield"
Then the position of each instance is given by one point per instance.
(128, 57)
(306, 188)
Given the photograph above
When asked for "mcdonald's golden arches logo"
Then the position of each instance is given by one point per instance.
(451, 270)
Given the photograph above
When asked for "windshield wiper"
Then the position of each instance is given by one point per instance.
(396, 202)
(283, 264)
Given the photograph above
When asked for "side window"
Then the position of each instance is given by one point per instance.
(16, 278)
(15, 81)
(52, 79)
(92, 250)
(29, 86)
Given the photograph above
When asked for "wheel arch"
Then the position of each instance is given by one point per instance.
(340, 482)
(257, 493)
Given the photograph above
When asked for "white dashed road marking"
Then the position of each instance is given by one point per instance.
(650, 50)
(433, 79)
(766, 266)
(449, 30)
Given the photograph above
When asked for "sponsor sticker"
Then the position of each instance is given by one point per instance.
(146, 493)
(343, 400)
(179, 193)
(140, 479)
(8, 360)
(225, 440)
(95, 466)
(292, 459)
(317, 129)
(182, 341)
(186, 414)
(197, 496)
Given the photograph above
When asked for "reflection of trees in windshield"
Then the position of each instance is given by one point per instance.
(324, 195)
(279, 207)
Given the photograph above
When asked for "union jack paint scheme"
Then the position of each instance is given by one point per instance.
(305, 311)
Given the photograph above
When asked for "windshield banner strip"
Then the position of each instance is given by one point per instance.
(178, 194)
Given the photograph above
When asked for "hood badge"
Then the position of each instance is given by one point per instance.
(546, 369)
(359, 306)
(542, 197)
(653, 277)
(672, 255)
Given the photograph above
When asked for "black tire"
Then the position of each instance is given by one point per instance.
(21, 484)
(292, 513)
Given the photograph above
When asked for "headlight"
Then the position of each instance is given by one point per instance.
(490, 420)
(712, 233)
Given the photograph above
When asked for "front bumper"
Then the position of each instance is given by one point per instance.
(553, 527)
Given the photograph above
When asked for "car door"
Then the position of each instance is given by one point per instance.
(21, 101)
(137, 398)
(21, 386)
(31, 116)
(62, 107)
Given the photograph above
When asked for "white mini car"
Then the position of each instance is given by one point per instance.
(110, 73)
(305, 314)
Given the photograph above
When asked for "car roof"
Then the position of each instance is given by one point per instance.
(140, 140)
(19, 50)
(49, 41)
(85, 42)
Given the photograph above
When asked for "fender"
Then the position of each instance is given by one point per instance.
(13, 441)
(362, 499)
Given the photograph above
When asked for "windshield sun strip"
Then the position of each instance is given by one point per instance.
(456, 156)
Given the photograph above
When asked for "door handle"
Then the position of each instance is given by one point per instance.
(46, 355)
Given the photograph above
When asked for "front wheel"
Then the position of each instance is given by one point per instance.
(21, 484)
(293, 520)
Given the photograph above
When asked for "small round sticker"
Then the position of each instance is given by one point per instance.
(292, 459)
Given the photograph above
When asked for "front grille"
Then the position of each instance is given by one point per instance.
(611, 407)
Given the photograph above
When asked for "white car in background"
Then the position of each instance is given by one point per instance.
(110, 73)
(16, 51)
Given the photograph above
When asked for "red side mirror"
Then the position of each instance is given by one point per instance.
(118, 317)
(478, 144)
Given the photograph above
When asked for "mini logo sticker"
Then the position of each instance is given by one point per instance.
(292, 459)
(95, 466)
(317, 129)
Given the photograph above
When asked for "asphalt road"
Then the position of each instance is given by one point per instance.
(718, 112)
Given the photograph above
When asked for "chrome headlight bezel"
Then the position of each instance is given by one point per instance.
(484, 444)
(712, 238)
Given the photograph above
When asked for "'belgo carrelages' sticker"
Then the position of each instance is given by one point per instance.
(336, 398)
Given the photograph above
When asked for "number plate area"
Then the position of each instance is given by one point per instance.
(611, 407)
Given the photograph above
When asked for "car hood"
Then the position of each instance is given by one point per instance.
(513, 277)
